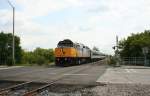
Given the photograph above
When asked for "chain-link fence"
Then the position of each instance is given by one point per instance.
(135, 61)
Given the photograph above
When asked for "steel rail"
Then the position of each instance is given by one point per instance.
(37, 91)
(5, 91)
(40, 89)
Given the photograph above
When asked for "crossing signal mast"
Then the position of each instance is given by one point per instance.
(116, 48)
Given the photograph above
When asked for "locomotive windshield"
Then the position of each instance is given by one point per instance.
(65, 43)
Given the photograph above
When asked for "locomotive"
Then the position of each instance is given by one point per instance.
(69, 53)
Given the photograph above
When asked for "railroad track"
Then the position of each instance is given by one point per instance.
(44, 90)
(41, 91)
(33, 89)
(18, 89)
(7, 91)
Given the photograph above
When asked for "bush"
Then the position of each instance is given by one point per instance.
(40, 60)
(112, 61)
(39, 56)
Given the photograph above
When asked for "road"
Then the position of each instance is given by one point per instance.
(83, 74)
(84, 80)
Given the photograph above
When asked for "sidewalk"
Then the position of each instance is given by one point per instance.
(126, 74)
(135, 67)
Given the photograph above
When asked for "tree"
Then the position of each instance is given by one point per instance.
(38, 56)
(48, 54)
(132, 46)
(6, 49)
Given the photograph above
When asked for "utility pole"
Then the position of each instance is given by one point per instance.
(13, 41)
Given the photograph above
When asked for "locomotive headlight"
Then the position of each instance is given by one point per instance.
(65, 58)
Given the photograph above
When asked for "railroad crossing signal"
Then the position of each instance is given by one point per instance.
(116, 48)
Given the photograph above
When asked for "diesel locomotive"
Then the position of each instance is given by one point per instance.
(69, 53)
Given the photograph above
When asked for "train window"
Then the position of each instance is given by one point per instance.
(65, 44)
(87, 47)
(78, 46)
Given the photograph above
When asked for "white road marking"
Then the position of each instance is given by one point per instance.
(133, 70)
(76, 74)
(10, 67)
(127, 70)
(130, 70)
(52, 73)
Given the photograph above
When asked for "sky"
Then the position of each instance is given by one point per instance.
(43, 23)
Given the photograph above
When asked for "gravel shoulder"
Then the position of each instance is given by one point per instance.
(100, 90)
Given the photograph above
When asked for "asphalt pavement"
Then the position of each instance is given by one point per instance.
(95, 79)
(82, 74)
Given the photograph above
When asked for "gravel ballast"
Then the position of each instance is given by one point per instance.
(100, 90)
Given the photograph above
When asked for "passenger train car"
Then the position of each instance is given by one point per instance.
(69, 53)
(96, 55)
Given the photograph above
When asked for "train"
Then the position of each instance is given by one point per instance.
(96, 55)
(69, 53)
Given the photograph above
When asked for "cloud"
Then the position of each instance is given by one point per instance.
(124, 16)
(92, 22)
(5, 18)
(39, 8)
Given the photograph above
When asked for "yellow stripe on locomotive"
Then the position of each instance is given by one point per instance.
(65, 52)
